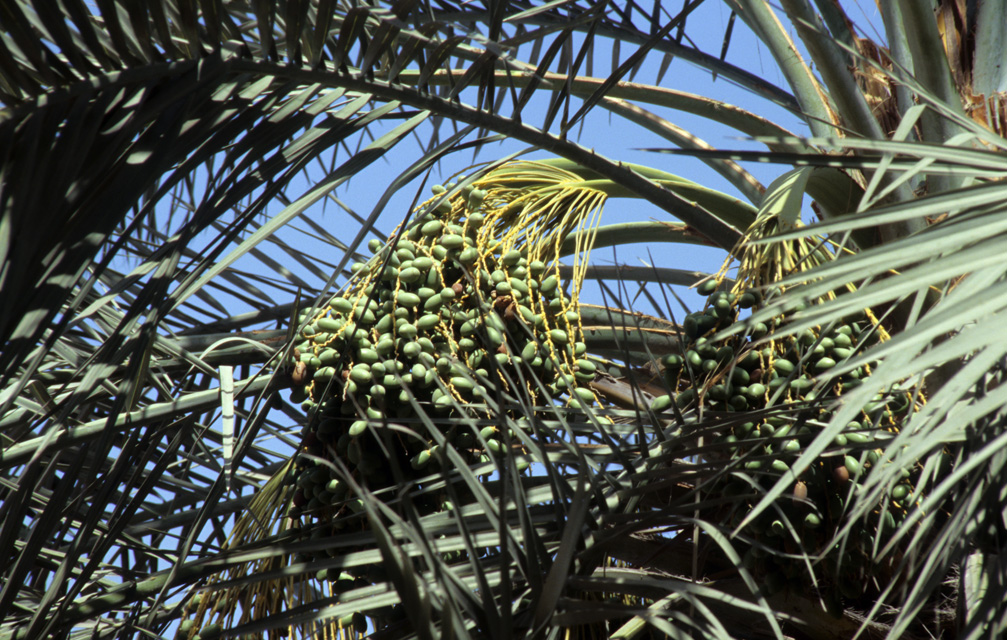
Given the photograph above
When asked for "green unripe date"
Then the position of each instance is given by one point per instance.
(756, 391)
(330, 325)
(707, 288)
(852, 464)
(324, 374)
(529, 351)
(685, 398)
(511, 257)
(468, 255)
(428, 321)
(549, 285)
(660, 403)
(824, 364)
(673, 362)
(452, 241)
(432, 228)
(420, 460)
(783, 367)
(410, 275)
(559, 336)
(361, 374)
(433, 303)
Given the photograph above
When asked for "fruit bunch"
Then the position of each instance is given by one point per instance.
(753, 381)
(455, 322)
(459, 314)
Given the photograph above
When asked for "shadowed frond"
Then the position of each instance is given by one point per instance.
(813, 452)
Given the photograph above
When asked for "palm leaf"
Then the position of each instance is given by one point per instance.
(144, 145)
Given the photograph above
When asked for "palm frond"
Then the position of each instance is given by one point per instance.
(155, 235)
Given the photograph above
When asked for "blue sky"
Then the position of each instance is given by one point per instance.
(610, 136)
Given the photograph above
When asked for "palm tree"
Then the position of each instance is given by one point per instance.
(151, 157)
